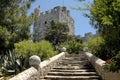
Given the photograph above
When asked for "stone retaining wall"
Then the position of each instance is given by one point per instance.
(100, 67)
(44, 67)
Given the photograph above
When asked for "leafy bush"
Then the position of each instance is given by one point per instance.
(4, 39)
(106, 19)
(25, 48)
(28, 48)
(45, 50)
(73, 46)
(17, 60)
(114, 64)
(93, 44)
(97, 46)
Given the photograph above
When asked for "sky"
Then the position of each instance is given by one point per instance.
(81, 24)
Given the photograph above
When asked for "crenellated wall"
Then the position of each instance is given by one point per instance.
(58, 14)
(44, 67)
(101, 68)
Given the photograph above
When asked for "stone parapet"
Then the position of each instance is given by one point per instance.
(44, 67)
(29, 74)
(101, 69)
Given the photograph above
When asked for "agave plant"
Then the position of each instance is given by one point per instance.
(10, 64)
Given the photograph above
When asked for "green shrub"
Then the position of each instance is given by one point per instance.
(28, 48)
(17, 60)
(98, 47)
(4, 40)
(114, 64)
(73, 46)
(93, 44)
(25, 48)
(45, 50)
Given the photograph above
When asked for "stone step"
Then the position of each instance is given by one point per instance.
(72, 67)
(77, 61)
(73, 73)
(82, 70)
(73, 62)
(83, 56)
(75, 58)
(74, 55)
(72, 77)
(67, 60)
(67, 64)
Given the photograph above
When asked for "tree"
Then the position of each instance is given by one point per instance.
(57, 32)
(14, 22)
(106, 18)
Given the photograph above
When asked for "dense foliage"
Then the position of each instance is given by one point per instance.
(17, 60)
(57, 32)
(114, 64)
(11, 64)
(14, 27)
(14, 23)
(28, 48)
(104, 16)
(73, 45)
(94, 44)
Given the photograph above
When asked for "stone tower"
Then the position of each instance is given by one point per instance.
(58, 14)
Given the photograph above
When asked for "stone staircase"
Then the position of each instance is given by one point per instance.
(73, 67)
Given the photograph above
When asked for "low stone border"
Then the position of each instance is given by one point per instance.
(101, 69)
(44, 67)
(29, 74)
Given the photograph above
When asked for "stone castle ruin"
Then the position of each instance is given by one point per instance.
(57, 14)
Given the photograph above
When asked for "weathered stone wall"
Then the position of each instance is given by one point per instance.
(29, 74)
(44, 67)
(100, 67)
(58, 14)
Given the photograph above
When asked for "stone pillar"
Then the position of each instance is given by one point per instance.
(34, 61)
